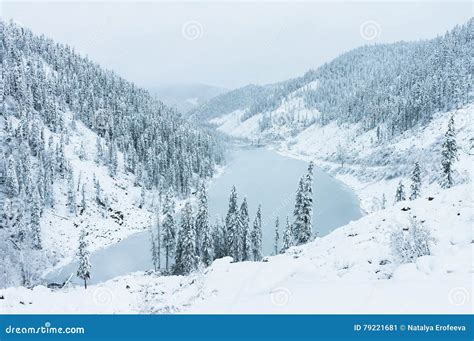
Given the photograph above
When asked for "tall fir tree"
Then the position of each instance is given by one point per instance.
(276, 244)
(11, 180)
(84, 269)
(244, 223)
(202, 219)
(303, 211)
(71, 192)
(186, 258)
(287, 236)
(449, 155)
(169, 227)
(256, 236)
(35, 214)
(400, 193)
(415, 187)
(231, 223)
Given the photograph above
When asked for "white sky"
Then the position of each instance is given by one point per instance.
(240, 43)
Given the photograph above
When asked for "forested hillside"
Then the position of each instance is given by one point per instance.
(388, 87)
(48, 94)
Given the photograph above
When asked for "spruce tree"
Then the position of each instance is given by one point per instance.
(186, 258)
(11, 180)
(276, 246)
(35, 219)
(169, 227)
(207, 251)
(244, 222)
(156, 242)
(202, 219)
(287, 236)
(302, 230)
(218, 239)
(256, 236)
(400, 193)
(449, 155)
(83, 198)
(415, 187)
(84, 270)
(231, 223)
(71, 192)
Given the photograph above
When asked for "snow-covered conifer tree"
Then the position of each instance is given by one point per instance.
(186, 258)
(169, 227)
(71, 192)
(287, 236)
(11, 180)
(449, 155)
(256, 236)
(276, 246)
(233, 247)
(415, 186)
(244, 222)
(202, 219)
(84, 270)
(400, 193)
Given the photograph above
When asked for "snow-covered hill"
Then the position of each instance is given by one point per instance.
(352, 270)
(82, 149)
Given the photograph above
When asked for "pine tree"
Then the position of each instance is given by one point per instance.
(35, 219)
(287, 236)
(218, 239)
(449, 154)
(256, 236)
(276, 246)
(84, 270)
(82, 152)
(11, 181)
(141, 204)
(400, 194)
(202, 219)
(169, 227)
(156, 243)
(83, 198)
(207, 251)
(71, 192)
(415, 187)
(186, 258)
(244, 222)
(231, 223)
(384, 201)
(302, 227)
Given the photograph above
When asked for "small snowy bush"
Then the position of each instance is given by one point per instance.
(409, 244)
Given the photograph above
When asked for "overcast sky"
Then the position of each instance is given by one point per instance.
(228, 44)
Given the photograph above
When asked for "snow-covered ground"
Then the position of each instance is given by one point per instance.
(352, 270)
(372, 169)
(60, 230)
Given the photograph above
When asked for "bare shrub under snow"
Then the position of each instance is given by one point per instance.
(410, 243)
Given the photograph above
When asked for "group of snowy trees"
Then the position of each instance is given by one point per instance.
(46, 89)
(449, 154)
(194, 241)
(188, 245)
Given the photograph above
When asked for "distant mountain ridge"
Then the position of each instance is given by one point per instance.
(388, 87)
(185, 97)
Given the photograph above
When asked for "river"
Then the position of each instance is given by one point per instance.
(264, 177)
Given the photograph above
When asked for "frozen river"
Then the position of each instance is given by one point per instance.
(264, 177)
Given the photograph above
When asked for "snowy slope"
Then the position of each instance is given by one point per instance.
(373, 169)
(60, 229)
(352, 270)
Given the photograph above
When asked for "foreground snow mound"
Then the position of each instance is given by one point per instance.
(352, 270)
